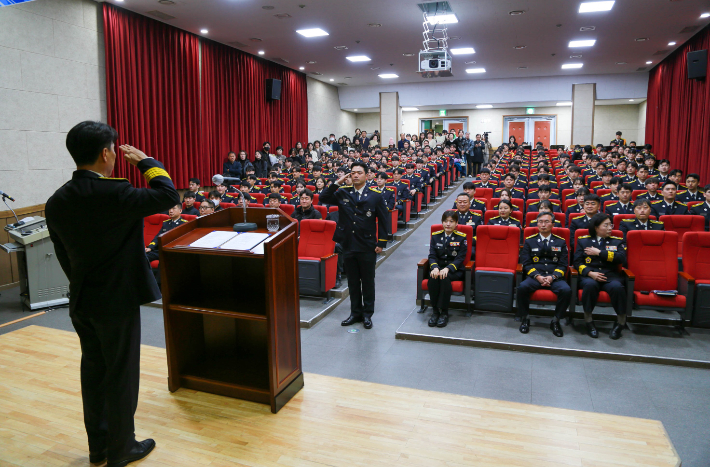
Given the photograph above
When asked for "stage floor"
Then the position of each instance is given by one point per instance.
(331, 422)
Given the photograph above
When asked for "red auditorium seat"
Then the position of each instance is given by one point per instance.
(254, 205)
(692, 204)
(602, 191)
(593, 185)
(322, 210)
(484, 193)
(317, 260)
(459, 287)
(653, 265)
(259, 197)
(619, 217)
(682, 224)
(497, 249)
(696, 263)
(151, 226)
(227, 205)
(188, 217)
(288, 208)
(287, 188)
(635, 193)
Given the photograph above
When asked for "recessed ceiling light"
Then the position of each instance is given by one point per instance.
(591, 7)
(261, 52)
(649, 62)
(522, 68)
(671, 43)
(564, 104)
(301, 67)
(587, 28)
(355, 110)
(705, 15)
(166, 2)
(408, 54)
(516, 12)
(448, 18)
(203, 31)
(575, 56)
(348, 77)
(409, 109)
(315, 32)
(519, 47)
(332, 79)
(582, 43)
(484, 106)
(375, 68)
(267, 7)
(254, 39)
(621, 63)
(388, 75)
(471, 62)
(462, 51)
(631, 100)
(475, 70)
(641, 39)
(358, 58)
(375, 25)
(567, 66)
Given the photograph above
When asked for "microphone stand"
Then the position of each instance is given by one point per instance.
(4, 200)
(245, 226)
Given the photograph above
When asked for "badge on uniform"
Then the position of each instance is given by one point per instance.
(454, 253)
(535, 259)
(610, 248)
(588, 260)
(455, 243)
(554, 259)
(369, 214)
(556, 248)
(534, 249)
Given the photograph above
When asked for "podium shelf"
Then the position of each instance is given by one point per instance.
(247, 372)
(215, 311)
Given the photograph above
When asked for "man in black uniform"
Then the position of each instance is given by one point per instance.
(151, 251)
(668, 205)
(591, 207)
(544, 258)
(597, 258)
(109, 278)
(623, 206)
(692, 193)
(358, 208)
(401, 188)
(190, 207)
(466, 216)
(642, 210)
(703, 209)
(651, 190)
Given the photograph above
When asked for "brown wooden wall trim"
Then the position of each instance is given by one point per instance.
(21, 212)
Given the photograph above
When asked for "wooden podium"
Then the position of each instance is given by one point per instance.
(232, 319)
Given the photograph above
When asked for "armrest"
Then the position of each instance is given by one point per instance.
(469, 265)
(324, 258)
(687, 277)
(423, 263)
(572, 271)
(629, 275)
(519, 268)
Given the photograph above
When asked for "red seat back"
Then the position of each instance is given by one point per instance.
(682, 224)
(332, 208)
(288, 208)
(259, 197)
(322, 210)
(465, 229)
(497, 246)
(568, 203)
(602, 191)
(696, 255)
(316, 240)
(653, 257)
(593, 185)
(151, 226)
(227, 205)
(494, 212)
(692, 204)
(635, 193)
(188, 217)
(482, 193)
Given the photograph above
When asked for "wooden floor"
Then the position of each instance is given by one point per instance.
(331, 422)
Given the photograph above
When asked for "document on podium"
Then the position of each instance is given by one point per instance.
(214, 239)
(245, 241)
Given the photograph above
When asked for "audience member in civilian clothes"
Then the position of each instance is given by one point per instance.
(232, 167)
(207, 207)
(306, 210)
(190, 208)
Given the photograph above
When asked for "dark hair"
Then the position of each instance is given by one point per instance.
(306, 192)
(575, 169)
(509, 203)
(642, 167)
(178, 205)
(274, 196)
(468, 186)
(675, 171)
(545, 188)
(383, 175)
(541, 214)
(195, 181)
(640, 201)
(189, 194)
(615, 181)
(276, 183)
(509, 175)
(462, 194)
(596, 221)
(485, 171)
(215, 194)
(87, 140)
(664, 161)
(359, 164)
(693, 175)
(592, 197)
(626, 186)
(546, 203)
(244, 183)
(669, 182)
(450, 213)
(208, 201)
(650, 180)
(398, 170)
(607, 173)
(543, 177)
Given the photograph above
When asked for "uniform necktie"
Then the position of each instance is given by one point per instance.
(358, 196)
(546, 243)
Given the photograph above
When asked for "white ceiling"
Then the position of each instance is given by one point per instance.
(507, 105)
(545, 29)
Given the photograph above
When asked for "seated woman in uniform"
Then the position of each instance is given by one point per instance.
(447, 252)
(545, 206)
(577, 184)
(505, 208)
(597, 257)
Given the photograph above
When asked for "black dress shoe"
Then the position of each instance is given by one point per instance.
(443, 320)
(556, 328)
(434, 318)
(525, 326)
(338, 283)
(350, 321)
(616, 331)
(367, 322)
(98, 457)
(138, 451)
(592, 330)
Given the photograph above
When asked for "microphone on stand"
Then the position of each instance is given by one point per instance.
(245, 226)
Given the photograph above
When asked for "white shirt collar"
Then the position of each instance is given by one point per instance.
(545, 238)
(100, 175)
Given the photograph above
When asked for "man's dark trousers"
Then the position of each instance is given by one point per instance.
(110, 347)
(360, 269)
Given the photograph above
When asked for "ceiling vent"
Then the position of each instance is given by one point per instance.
(279, 59)
(254, 39)
(237, 44)
(661, 52)
(643, 68)
(283, 16)
(689, 29)
(160, 15)
(587, 28)
(166, 2)
(342, 84)
(341, 47)
(315, 73)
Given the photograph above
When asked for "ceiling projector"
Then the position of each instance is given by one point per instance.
(435, 63)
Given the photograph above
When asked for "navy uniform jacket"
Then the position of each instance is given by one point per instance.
(402, 191)
(533, 194)
(661, 208)
(627, 225)
(535, 207)
(489, 184)
(517, 192)
(702, 210)
(447, 252)
(648, 196)
(611, 196)
(617, 208)
(192, 211)
(388, 193)
(96, 225)
(356, 229)
(685, 196)
(613, 254)
(168, 224)
(497, 220)
(476, 204)
(538, 260)
(284, 200)
(471, 218)
(415, 181)
(578, 223)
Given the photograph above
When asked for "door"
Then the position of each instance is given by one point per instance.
(456, 127)
(542, 133)
(516, 129)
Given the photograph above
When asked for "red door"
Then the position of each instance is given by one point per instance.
(542, 133)
(516, 129)
(456, 127)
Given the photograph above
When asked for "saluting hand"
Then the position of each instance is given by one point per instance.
(342, 179)
(132, 155)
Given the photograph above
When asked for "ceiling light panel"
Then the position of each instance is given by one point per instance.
(462, 51)
(564, 104)
(475, 70)
(314, 32)
(582, 43)
(358, 58)
(388, 75)
(409, 109)
(592, 7)
(484, 106)
(568, 66)
(449, 18)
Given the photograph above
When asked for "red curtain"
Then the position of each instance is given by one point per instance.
(235, 112)
(153, 92)
(678, 112)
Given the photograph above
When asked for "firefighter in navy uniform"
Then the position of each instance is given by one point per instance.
(668, 205)
(544, 258)
(151, 251)
(466, 216)
(109, 279)
(388, 194)
(401, 190)
(597, 257)
(642, 211)
(358, 209)
(447, 252)
(703, 209)
(505, 209)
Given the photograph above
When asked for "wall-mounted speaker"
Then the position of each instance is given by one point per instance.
(697, 64)
(273, 89)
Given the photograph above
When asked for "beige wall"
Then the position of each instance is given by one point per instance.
(642, 124)
(52, 77)
(324, 114)
(608, 119)
(369, 121)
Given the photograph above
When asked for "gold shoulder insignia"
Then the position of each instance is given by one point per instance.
(375, 189)
(555, 235)
(459, 233)
(656, 202)
(583, 236)
(656, 222)
(166, 220)
(680, 202)
(111, 178)
(475, 213)
(531, 236)
(612, 204)
(496, 217)
(536, 202)
(616, 238)
(390, 188)
(629, 220)
(681, 192)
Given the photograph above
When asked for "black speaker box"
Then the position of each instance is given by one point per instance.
(273, 89)
(697, 64)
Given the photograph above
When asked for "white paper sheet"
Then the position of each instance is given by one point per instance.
(245, 241)
(214, 239)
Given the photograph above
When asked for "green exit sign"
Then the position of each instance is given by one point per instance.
(442, 113)
(530, 110)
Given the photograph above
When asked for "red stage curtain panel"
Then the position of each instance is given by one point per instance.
(153, 92)
(235, 112)
(678, 112)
